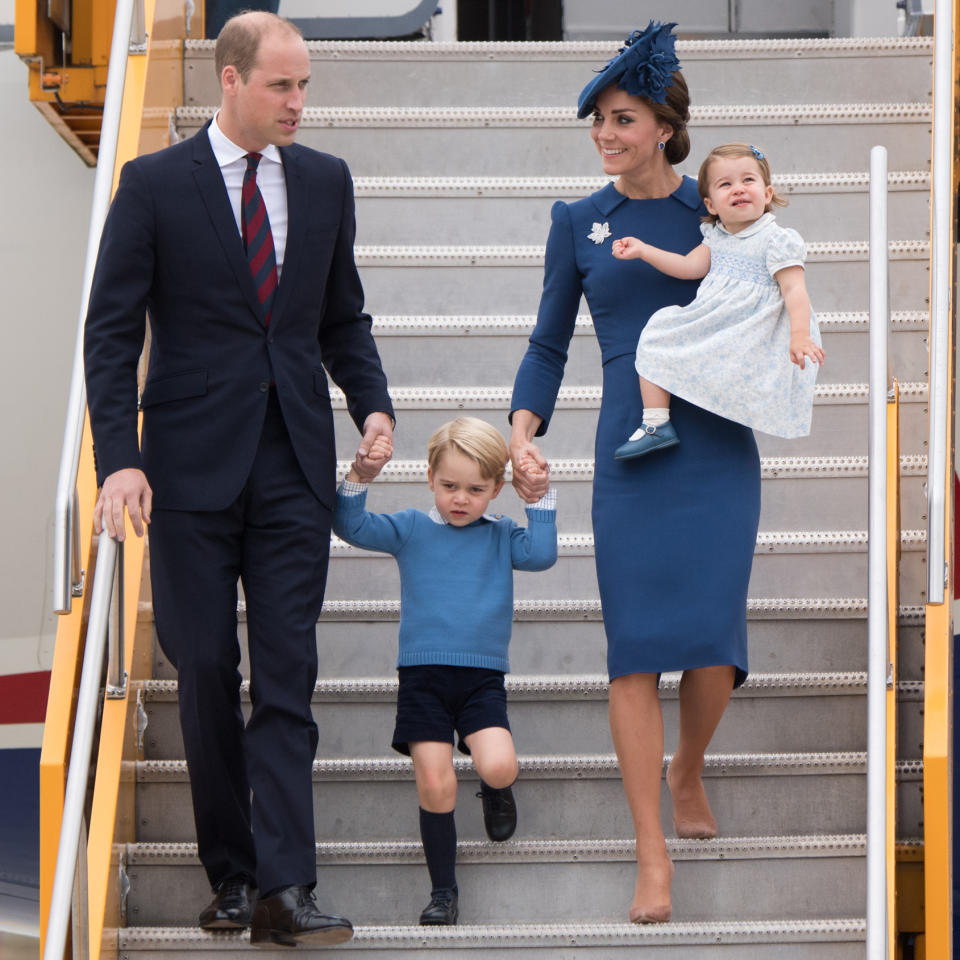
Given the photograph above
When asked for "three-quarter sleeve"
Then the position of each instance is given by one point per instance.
(786, 249)
(541, 371)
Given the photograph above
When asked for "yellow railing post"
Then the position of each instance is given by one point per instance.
(61, 700)
(937, 717)
(153, 83)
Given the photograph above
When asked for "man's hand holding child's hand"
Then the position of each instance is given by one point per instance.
(365, 468)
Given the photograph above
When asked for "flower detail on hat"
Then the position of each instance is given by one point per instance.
(599, 233)
(649, 62)
(644, 67)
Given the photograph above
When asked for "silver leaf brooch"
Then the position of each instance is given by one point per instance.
(599, 233)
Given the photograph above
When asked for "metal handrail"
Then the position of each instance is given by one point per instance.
(878, 657)
(939, 389)
(103, 610)
(67, 575)
(105, 622)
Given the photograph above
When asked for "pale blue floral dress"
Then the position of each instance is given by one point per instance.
(728, 351)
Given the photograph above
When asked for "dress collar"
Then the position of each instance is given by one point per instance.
(754, 227)
(608, 198)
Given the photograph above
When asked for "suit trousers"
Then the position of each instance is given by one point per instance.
(275, 540)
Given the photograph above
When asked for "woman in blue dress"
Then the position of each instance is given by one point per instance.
(674, 535)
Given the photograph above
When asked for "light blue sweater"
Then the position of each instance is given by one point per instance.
(456, 583)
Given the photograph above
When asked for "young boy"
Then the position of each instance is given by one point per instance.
(456, 611)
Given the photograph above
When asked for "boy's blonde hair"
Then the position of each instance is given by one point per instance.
(475, 439)
(727, 151)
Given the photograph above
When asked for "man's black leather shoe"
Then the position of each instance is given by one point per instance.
(442, 911)
(291, 916)
(231, 907)
(499, 812)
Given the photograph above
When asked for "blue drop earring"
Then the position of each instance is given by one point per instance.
(660, 145)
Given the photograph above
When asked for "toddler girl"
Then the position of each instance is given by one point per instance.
(739, 349)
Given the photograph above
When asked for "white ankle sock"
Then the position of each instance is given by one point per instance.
(652, 417)
(655, 416)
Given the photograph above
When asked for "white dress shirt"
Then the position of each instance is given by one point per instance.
(270, 179)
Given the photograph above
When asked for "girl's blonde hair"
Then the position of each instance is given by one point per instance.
(475, 439)
(727, 151)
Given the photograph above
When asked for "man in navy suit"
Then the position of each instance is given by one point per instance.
(236, 470)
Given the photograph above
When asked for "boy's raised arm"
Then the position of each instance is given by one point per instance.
(534, 547)
(371, 531)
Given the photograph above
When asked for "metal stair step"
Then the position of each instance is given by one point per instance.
(839, 420)
(823, 492)
(783, 712)
(838, 939)
(787, 879)
(516, 210)
(564, 797)
(508, 278)
(801, 877)
(815, 563)
(358, 638)
(486, 351)
(349, 73)
(551, 141)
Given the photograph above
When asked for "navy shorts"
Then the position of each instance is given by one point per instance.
(434, 702)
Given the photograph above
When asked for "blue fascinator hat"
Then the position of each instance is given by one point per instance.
(644, 67)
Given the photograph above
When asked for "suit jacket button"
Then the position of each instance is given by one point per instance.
(264, 386)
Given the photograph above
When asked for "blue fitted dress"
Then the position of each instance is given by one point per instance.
(674, 532)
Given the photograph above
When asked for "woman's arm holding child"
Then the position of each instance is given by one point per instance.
(531, 472)
(691, 266)
(793, 286)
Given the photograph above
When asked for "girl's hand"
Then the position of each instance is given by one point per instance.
(801, 346)
(531, 472)
(627, 248)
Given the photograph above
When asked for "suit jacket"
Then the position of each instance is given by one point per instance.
(170, 246)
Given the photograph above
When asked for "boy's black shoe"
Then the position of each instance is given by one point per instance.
(442, 911)
(499, 812)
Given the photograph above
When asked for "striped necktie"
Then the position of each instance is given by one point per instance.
(258, 239)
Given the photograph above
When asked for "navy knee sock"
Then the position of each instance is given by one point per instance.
(438, 831)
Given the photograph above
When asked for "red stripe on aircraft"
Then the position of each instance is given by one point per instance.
(23, 697)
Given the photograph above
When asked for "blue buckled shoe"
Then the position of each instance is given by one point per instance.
(646, 440)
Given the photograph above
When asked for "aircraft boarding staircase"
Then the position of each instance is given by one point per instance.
(458, 151)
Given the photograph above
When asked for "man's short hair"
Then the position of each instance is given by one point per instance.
(475, 439)
(239, 40)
